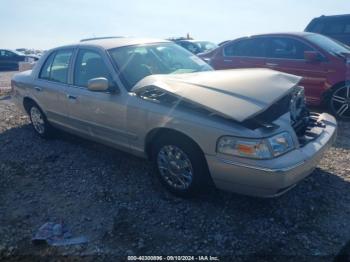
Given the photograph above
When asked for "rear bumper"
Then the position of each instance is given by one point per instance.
(269, 178)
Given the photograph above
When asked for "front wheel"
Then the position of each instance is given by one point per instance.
(339, 102)
(181, 165)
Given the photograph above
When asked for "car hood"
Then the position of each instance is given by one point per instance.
(237, 94)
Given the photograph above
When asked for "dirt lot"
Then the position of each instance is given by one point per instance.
(114, 199)
(5, 79)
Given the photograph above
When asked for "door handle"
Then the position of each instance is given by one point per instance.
(37, 89)
(271, 64)
(71, 97)
(227, 60)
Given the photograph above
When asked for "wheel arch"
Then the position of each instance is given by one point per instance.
(155, 133)
(27, 102)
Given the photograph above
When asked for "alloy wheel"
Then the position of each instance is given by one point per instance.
(175, 167)
(340, 102)
(37, 120)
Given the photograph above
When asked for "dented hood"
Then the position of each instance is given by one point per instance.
(237, 94)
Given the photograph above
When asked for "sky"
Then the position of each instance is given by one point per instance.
(44, 24)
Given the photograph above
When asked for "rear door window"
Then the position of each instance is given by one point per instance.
(333, 27)
(336, 26)
(56, 66)
(317, 27)
(60, 66)
(46, 68)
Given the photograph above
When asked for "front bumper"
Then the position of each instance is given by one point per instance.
(273, 177)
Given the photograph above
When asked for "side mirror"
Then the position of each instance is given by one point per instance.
(98, 84)
(311, 56)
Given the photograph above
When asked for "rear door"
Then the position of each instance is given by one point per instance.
(49, 89)
(243, 53)
(286, 54)
(97, 114)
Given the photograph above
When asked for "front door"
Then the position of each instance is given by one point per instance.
(97, 114)
(286, 54)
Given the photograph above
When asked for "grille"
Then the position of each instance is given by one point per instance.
(265, 118)
(312, 130)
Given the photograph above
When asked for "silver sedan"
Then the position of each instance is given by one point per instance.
(245, 130)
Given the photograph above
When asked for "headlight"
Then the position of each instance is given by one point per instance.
(281, 143)
(243, 147)
(256, 148)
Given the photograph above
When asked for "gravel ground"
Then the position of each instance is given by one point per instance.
(115, 200)
(5, 79)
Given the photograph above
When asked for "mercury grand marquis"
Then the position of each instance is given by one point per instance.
(243, 130)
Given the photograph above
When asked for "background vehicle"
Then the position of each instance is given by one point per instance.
(196, 46)
(9, 59)
(335, 26)
(322, 62)
(223, 42)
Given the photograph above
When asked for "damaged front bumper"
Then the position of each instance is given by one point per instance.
(273, 177)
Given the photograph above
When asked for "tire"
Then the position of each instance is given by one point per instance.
(39, 121)
(339, 102)
(180, 165)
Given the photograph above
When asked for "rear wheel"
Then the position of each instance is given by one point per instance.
(180, 164)
(339, 102)
(39, 122)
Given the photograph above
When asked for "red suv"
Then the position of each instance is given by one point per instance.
(323, 63)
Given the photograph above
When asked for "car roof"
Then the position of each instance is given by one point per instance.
(13, 51)
(192, 40)
(300, 34)
(98, 38)
(297, 34)
(332, 16)
(119, 42)
(111, 43)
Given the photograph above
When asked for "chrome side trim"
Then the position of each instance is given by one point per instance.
(271, 170)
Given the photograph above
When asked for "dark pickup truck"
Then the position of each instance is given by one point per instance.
(335, 26)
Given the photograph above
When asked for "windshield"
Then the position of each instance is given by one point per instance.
(206, 45)
(17, 52)
(328, 44)
(137, 62)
